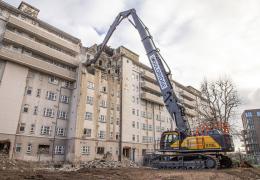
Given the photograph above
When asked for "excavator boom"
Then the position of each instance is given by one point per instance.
(171, 102)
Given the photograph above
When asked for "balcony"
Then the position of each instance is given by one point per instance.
(190, 112)
(187, 95)
(151, 87)
(190, 104)
(39, 48)
(43, 34)
(152, 98)
(149, 76)
(37, 64)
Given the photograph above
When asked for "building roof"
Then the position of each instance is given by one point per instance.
(42, 23)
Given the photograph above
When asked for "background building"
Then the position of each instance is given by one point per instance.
(53, 108)
(251, 124)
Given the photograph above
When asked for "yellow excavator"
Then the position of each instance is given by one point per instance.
(179, 148)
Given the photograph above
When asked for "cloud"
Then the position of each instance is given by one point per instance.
(197, 38)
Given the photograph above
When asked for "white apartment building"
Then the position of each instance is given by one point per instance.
(54, 109)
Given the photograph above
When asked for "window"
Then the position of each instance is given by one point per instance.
(18, 148)
(103, 103)
(104, 89)
(137, 112)
(150, 127)
(48, 112)
(29, 148)
(133, 137)
(59, 149)
(67, 84)
(88, 116)
(249, 114)
(87, 132)
(90, 85)
(100, 150)
(111, 135)
(145, 127)
(258, 113)
(157, 117)
(63, 115)
(64, 99)
(43, 149)
(35, 111)
(90, 100)
(22, 127)
(29, 91)
(32, 128)
(26, 108)
(111, 120)
(102, 118)
(133, 111)
(38, 94)
(137, 125)
(117, 136)
(60, 131)
(112, 106)
(45, 130)
(53, 80)
(137, 138)
(85, 150)
(51, 96)
(101, 134)
(133, 124)
(143, 114)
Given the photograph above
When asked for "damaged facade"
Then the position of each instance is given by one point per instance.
(53, 108)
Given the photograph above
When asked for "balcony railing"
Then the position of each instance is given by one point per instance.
(43, 34)
(39, 48)
(37, 64)
(152, 98)
(151, 87)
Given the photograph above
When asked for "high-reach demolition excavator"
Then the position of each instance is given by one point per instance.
(179, 148)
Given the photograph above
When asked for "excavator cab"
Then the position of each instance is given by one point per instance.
(170, 140)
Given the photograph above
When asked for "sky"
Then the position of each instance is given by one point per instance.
(197, 38)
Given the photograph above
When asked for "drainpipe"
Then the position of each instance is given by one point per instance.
(121, 114)
(55, 129)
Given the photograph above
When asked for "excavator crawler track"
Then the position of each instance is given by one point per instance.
(188, 161)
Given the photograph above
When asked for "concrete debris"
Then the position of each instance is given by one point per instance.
(100, 164)
(9, 164)
(109, 164)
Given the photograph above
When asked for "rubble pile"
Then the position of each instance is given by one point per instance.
(109, 164)
(99, 164)
(6, 163)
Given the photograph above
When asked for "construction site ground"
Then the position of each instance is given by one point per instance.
(109, 169)
(132, 173)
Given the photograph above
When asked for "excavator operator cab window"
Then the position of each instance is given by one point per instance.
(170, 139)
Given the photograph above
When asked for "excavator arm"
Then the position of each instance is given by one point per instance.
(171, 102)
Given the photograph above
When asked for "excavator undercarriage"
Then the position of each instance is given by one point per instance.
(187, 161)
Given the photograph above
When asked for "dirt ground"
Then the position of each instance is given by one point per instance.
(133, 173)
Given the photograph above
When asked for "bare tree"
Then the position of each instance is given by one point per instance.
(220, 100)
